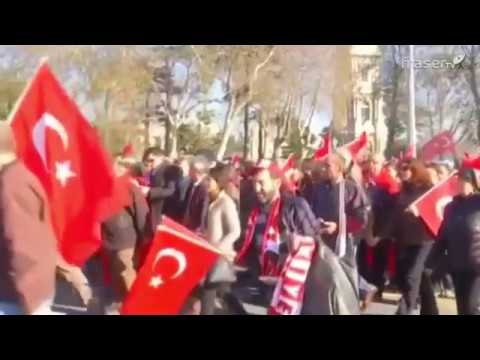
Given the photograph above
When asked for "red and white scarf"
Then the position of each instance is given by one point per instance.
(289, 293)
(271, 239)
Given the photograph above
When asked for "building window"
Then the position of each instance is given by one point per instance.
(365, 74)
(365, 111)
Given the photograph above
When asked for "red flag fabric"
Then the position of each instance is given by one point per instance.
(408, 154)
(290, 164)
(472, 163)
(236, 161)
(325, 149)
(385, 181)
(176, 263)
(63, 150)
(430, 206)
(357, 146)
(128, 151)
(440, 144)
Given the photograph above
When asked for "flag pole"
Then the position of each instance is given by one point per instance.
(412, 124)
(25, 91)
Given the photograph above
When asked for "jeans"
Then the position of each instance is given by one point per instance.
(467, 292)
(12, 309)
(411, 277)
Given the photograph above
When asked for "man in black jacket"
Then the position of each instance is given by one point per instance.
(197, 202)
(156, 162)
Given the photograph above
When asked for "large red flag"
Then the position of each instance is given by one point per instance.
(325, 149)
(431, 205)
(177, 261)
(357, 146)
(440, 144)
(63, 150)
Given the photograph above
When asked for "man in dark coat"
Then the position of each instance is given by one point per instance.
(156, 162)
(28, 248)
(179, 174)
(324, 201)
(197, 202)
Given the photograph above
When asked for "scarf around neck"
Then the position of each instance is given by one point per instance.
(289, 292)
(270, 242)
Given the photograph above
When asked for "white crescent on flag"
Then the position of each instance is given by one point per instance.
(38, 134)
(157, 280)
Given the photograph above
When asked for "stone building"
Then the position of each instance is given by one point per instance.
(367, 104)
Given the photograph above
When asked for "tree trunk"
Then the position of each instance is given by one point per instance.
(147, 134)
(392, 121)
(375, 122)
(261, 138)
(174, 143)
(246, 130)
(476, 96)
(168, 136)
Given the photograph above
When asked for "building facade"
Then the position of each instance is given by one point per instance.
(367, 104)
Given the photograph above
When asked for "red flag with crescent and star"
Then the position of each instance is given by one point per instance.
(440, 144)
(431, 206)
(62, 149)
(177, 261)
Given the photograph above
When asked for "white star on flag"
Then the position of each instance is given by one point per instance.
(156, 282)
(64, 172)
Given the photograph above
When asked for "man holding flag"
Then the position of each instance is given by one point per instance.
(60, 147)
(27, 245)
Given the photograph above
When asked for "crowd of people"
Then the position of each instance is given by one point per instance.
(367, 238)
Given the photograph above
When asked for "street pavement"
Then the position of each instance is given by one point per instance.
(68, 303)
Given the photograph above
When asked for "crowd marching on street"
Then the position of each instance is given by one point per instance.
(325, 235)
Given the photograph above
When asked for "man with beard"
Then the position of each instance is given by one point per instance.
(329, 287)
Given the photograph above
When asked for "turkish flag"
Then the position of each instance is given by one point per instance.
(357, 146)
(430, 207)
(471, 163)
(290, 163)
(325, 149)
(128, 151)
(438, 145)
(63, 150)
(177, 261)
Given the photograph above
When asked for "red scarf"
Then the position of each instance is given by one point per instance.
(288, 295)
(270, 243)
